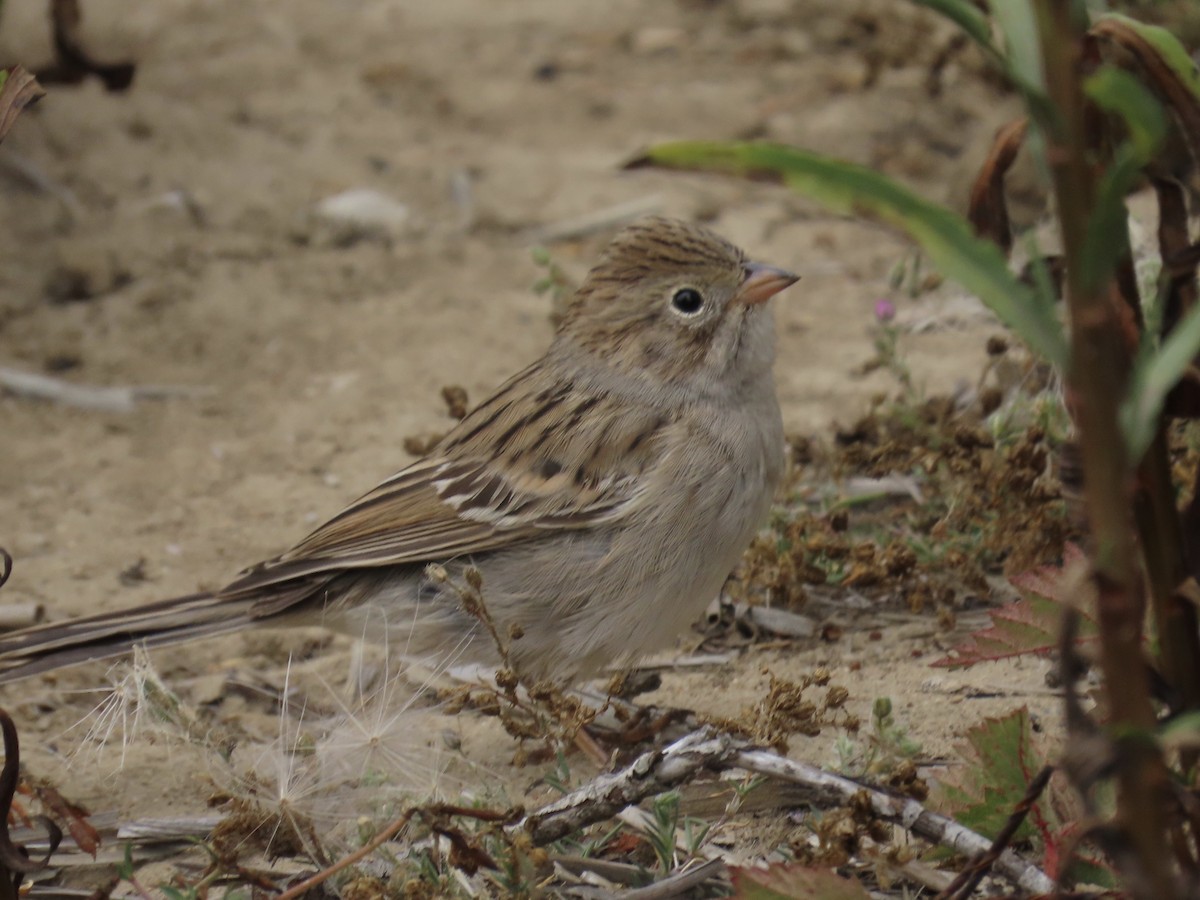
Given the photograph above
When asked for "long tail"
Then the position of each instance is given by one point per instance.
(107, 635)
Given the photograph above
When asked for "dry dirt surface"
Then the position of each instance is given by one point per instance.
(179, 247)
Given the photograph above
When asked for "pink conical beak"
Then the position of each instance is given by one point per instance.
(762, 283)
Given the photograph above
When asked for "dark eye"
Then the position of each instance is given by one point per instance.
(687, 300)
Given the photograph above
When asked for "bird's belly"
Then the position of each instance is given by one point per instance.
(583, 600)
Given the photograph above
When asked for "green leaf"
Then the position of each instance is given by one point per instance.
(1154, 374)
(125, 867)
(1021, 45)
(976, 264)
(1001, 761)
(794, 882)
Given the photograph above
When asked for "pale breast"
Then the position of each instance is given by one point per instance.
(663, 567)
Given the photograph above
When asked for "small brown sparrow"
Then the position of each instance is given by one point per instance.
(604, 492)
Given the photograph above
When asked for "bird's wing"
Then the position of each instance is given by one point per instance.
(539, 455)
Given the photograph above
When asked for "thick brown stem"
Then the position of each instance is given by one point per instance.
(1097, 378)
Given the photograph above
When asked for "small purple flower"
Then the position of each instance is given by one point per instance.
(885, 311)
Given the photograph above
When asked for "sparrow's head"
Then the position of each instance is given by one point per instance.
(675, 301)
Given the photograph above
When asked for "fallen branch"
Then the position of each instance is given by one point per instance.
(660, 770)
(833, 790)
(651, 773)
(678, 883)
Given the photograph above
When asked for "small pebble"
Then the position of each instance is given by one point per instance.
(359, 214)
(649, 41)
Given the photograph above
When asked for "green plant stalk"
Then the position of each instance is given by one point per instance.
(1098, 378)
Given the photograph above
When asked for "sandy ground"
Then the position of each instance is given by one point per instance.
(491, 122)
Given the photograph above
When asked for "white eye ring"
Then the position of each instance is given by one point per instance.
(687, 301)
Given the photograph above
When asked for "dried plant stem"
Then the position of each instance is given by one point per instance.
(678, 883)
(1098, 379)
(392, 829)
(1162, 532)
(1163, 547)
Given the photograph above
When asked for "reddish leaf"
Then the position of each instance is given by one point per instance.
(87, 838)
(625, 842)
(1030, 625)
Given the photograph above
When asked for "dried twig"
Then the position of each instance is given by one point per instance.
(782, 622)
(651, 773)
(92, 397)
(679, 883)
(20, 615)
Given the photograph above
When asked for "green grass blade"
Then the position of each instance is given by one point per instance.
(976, 264)
(1022, 47)
(1154, 375)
